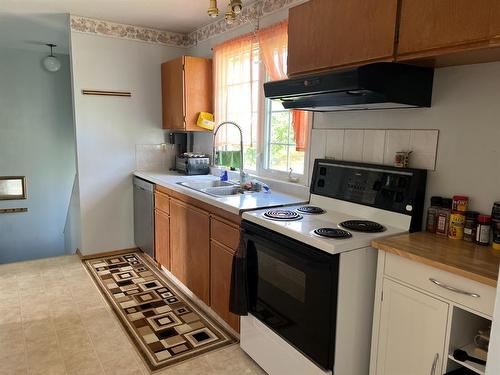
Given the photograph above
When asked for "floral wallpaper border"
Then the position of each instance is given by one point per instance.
(250, 13)
(118, 30)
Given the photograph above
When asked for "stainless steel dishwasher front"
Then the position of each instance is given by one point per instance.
(144, 215)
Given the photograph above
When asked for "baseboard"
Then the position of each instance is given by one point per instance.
(106, 253)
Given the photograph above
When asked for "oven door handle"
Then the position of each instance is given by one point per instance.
(309, 258)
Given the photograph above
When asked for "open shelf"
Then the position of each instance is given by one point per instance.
(477, 368)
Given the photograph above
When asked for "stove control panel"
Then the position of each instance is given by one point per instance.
(385, 187)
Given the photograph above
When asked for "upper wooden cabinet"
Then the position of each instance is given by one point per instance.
(428, 25)
(326, 34)
(186, 90)
(495, 22)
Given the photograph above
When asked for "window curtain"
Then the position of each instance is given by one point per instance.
(236, 78)
(273, 44)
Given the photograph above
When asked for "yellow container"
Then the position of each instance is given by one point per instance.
(206, 121)
(457, 223)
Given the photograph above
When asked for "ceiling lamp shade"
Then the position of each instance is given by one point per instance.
(213, 11)
(236, 6)
(230, 16)
(51, 63)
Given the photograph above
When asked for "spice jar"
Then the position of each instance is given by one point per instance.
(443, 217)
(495, 224)
(432, 214)
(457, 222)
(470, 226)
(483, 229)
(460, 203)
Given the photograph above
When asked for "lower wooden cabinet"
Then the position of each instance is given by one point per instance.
(190, 247)
(221, 261)
(412, 332)
(162, 238)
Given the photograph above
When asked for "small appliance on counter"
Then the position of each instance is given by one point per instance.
(192, 164)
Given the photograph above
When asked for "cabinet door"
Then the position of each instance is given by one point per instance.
(495, 22)
(412, 332)
(162, 238)
(172, 83)
(220, 272)
(198, 89)
(323, 34)
(190, 247)
(435, 24)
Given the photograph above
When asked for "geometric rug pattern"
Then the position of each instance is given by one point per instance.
(164, 324)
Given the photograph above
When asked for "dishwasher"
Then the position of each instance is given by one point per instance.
(144, 216)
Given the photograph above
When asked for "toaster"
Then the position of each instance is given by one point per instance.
(192, 164)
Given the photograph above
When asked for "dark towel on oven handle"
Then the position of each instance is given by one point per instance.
(238, 295)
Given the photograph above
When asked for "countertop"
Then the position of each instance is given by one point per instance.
(478, 263)
(235, 204)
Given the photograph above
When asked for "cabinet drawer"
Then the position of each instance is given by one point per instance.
(420, 275)
(162, 202)
(225, 233)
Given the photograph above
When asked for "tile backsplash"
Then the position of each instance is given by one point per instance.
(154, 157)
(376, 146)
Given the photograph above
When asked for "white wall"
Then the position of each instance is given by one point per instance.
(108, 129)
(36, 141)
(466, 111)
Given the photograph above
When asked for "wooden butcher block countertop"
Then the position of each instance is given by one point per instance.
(478, 263)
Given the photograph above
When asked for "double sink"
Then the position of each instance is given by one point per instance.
(214, 188)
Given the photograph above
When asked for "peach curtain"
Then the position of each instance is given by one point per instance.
(236, 80)
(273, 44)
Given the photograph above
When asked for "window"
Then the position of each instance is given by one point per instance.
(272, 146)
(280, 148)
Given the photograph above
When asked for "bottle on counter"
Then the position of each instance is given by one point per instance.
(443, 217)
(460, 203)
(483, 230)
(470, 226)
(432, 214)
(495, 224)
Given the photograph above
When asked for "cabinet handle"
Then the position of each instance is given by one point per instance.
(434, 364)
(453, 289)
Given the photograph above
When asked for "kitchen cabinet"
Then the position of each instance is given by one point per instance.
(435, 27)
(221, 261)
(190, 247)
(432, 296)
(327, 34)
(162, 228)
(412, 332)
(162, 238)
(186, 91)
(495, 23)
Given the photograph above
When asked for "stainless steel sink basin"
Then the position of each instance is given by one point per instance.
(198, 185)
(223, 190)
(214, 187)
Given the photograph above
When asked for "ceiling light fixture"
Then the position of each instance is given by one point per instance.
(230, 16)
(234, 8)
(51, 63)
(213, 11)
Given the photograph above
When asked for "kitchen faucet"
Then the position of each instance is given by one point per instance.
(242, 173)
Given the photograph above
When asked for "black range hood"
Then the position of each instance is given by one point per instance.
(374, 86)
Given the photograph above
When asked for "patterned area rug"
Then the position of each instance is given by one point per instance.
(165, 325)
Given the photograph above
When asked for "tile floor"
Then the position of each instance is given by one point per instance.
(54, 321)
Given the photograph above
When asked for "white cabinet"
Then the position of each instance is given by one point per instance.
(412, 332)
(418, 324)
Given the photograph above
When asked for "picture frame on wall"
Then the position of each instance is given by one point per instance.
(12, 187)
